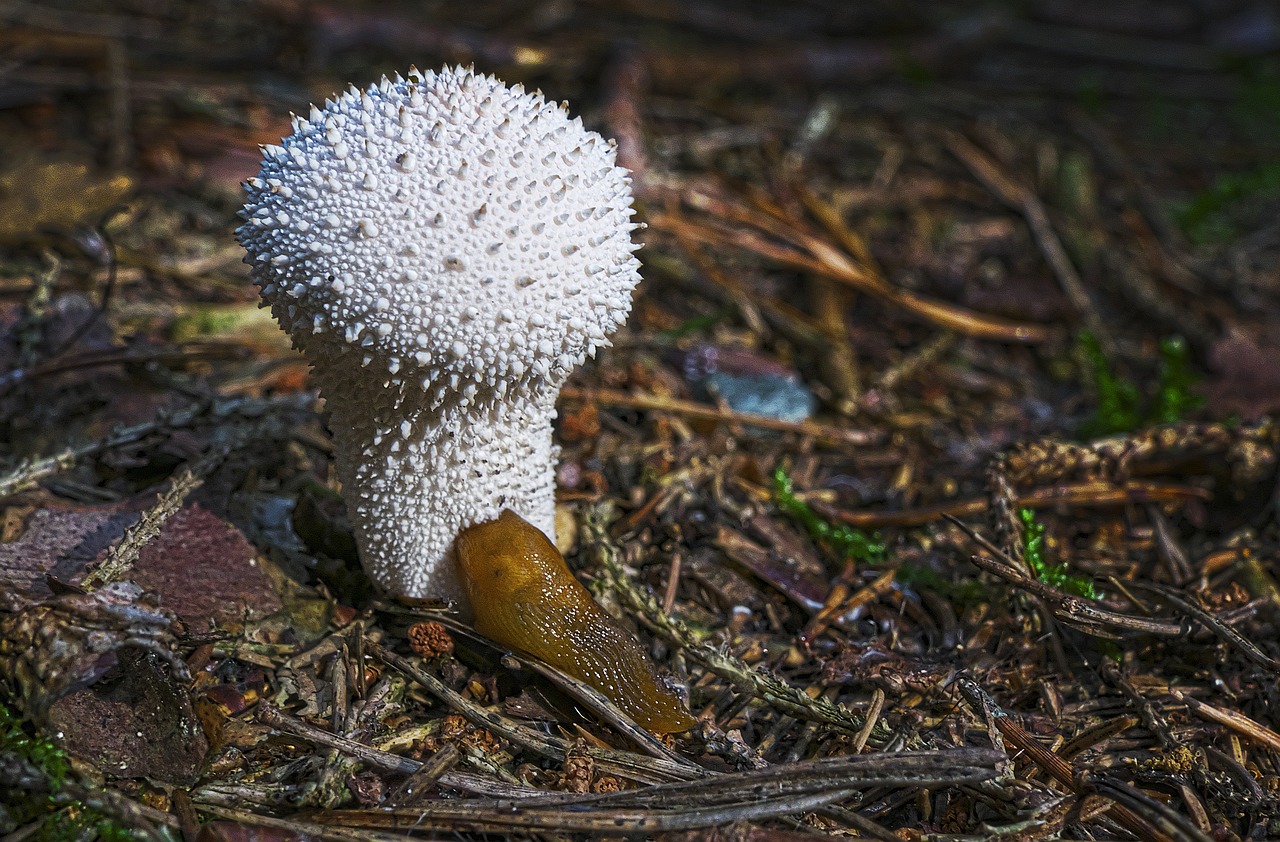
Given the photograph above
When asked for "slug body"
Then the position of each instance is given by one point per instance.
(524, 596)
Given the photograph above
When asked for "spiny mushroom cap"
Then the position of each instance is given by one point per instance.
(451, 230)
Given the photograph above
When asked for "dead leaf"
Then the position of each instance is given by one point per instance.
(58, 542)
(136, 721)
(205, 572)
(60, 195)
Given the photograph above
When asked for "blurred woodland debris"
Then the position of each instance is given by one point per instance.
(38, 197)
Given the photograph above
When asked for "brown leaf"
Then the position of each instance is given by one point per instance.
(60, 195)
(134, 722)
(58, 542)
(800, 585)
(200, 566)
(205, 571)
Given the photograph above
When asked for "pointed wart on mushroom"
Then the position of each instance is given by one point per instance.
(445, 250)
(525, 597)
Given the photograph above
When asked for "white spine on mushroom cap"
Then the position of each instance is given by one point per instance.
(445, 250)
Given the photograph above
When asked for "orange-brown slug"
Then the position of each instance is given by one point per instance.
(524, 596)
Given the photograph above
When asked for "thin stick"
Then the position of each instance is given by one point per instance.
(873, 715)
(763, 685)
(690, 409)
(415, 787)
(623, 763)
(1026, 202)
(1058, 768)
(32, 471)
(1237, 722)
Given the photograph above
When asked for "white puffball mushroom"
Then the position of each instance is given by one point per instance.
(445, 250)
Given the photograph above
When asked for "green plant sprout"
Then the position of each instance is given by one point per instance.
(968, 591)
(62, 821)
(1055, 575)
(1120, 403)
(1174, 398)
(693, 326)
(1206, 218)
(1118, 397)
(844, 541)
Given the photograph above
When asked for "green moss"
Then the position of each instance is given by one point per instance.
(1055, 575)
(203, 321)
(1121, 405)
(1211, 216)
(1244, 198)
(913, 69)
(1174, 398)
(692, 327)
(1256, 110)
(48, 758)
(77, 823)
(970, 591)
(1119, 400)
(1089, 95)
(60, 821)
(845, 542)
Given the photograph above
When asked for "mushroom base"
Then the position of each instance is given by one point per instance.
(415, 479)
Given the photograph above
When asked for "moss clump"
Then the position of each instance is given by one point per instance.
(1212, 215)
(49, 760)
(60, 820)
(1121, 404)
(1119, 401)
(845, 542)
(969, 591)
(1055, 575)
(1174, 398)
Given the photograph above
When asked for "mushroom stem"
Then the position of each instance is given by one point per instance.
(414, 477)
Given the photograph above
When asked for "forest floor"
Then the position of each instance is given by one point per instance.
(936, 462)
